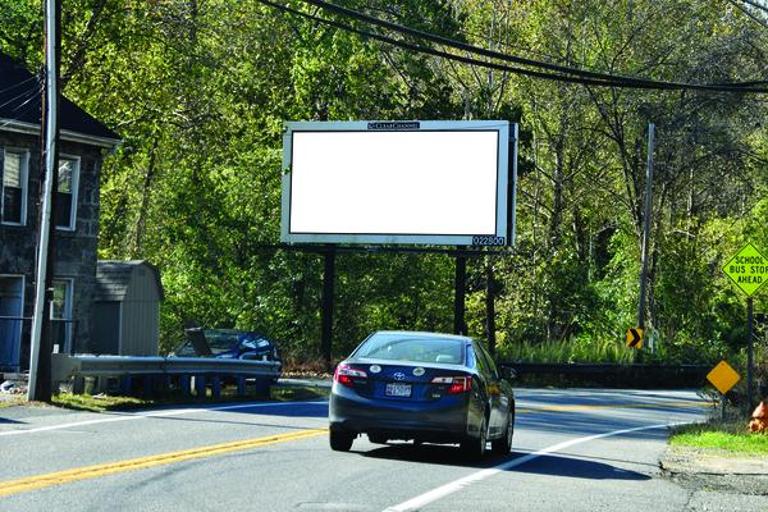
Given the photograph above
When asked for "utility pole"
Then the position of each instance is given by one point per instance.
(646, 228)
(40, 347)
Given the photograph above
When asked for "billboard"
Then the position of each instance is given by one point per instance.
(396, 182)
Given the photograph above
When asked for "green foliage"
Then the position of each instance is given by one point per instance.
(199, 90)
(576, 350)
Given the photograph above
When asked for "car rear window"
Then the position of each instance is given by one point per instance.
(397, 347)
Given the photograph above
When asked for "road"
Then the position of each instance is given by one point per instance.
(573, 450)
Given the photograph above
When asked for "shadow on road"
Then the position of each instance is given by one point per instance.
(429, 454)
(287, 410)
(9, 421)
(553, 465)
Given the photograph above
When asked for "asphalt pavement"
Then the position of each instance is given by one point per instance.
(574, 450)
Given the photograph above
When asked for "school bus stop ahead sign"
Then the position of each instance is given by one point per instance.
(748, 270)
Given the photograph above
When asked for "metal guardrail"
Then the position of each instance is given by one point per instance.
(591, 368)
(633, 375)
(64, 366)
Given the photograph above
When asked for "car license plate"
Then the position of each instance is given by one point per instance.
(397, 389)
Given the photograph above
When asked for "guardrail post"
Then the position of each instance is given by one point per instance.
(90, 385)
(240, 385)
(78, 386)
(165, 384)
(216, 386)
(185, 384)
(126, 385)
(146, 388)
(200, 386)
(262, 387)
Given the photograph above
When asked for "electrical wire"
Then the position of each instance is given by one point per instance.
(612, 82)
(552, 59)
(755, 4)
(20, 110)
(19, 97)
(438, 53)
(627, 80)
(19, 84)
(743, 9)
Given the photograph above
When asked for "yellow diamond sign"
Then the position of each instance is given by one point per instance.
(748, 269)
(723, 377)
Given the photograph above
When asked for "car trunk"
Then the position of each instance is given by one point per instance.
(399, 382)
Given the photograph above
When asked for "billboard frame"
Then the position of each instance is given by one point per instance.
(505, 183)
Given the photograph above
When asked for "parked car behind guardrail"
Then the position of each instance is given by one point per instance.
(228, 344)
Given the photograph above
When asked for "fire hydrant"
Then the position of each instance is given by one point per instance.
(759, 422)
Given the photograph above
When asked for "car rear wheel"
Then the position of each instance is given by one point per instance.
(341, 441)
(474, 447)
(503, 445)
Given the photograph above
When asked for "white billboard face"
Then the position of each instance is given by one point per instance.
(435, 184)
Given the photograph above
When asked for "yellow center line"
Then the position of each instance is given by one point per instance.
(10, 487)
(572, 408)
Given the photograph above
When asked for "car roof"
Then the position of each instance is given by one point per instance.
(426, 335)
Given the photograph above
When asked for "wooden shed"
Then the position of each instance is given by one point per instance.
(126, 308)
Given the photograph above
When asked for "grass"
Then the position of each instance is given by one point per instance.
(730, 437)
(99, 403)
(103, 403)
(13, 401)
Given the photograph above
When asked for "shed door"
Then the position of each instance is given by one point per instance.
(11, 307)
(106, 327)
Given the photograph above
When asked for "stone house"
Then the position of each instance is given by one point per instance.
(83, 143)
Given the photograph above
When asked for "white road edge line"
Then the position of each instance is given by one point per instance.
(457, 485)
(154, 414)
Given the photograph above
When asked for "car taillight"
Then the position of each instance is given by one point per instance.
(345, 374)
(456, 385)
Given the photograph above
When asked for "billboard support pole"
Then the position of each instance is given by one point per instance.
(460, 284)
(490, 306)
(329, 278)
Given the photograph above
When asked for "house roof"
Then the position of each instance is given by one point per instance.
(20, 108)
(113, 279)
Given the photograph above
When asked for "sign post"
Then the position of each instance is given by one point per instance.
(748, 270)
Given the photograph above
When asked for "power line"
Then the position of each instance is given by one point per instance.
(19, 96)
(19, 84)
(20, 111)
(467, 33)
(438, 53)
(755, 4)
(743, 9)
(616, 79)
(610, 81)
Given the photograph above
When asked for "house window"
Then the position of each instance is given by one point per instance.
(66, 193)
(61, 314)
(13, 200)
